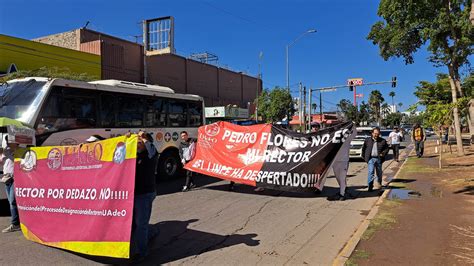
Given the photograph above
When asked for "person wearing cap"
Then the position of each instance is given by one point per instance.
(6, 157)
(394, 139)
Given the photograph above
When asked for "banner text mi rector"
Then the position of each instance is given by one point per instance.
(268, 156)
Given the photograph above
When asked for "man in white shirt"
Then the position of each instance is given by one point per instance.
(394, 139)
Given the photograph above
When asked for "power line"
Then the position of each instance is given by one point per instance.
(235, 15)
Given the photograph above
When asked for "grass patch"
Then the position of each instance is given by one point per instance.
(384, 219)
(358, 254)
(413, 166)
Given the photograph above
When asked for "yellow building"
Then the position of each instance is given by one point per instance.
(20, 54)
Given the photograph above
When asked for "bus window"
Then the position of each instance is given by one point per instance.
(177, 113)
(195, 114)
(107, 110)
(130, 112)
(63, 112)
(155, 113)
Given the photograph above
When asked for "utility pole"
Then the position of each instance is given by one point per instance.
(321, 107)
(300, 103)
(304, 108)
(309, 107)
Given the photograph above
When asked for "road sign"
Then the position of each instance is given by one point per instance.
(355, 82)
(359, 95)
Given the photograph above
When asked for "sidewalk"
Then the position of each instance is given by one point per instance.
(433, 224)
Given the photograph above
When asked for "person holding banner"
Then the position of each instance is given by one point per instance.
(374, 150)
(7, 178)
(145, 193)
(340, 167)
(186, 149)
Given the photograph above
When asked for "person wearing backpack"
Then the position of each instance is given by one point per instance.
(186, 155)
(418, 136)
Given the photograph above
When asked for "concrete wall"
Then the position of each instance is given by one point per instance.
(217, 86)
(121, 59)
(69, 39)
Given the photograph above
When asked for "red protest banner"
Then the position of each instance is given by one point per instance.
(268, 156)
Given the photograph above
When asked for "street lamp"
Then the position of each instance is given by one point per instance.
(288, 63)
(287, 56)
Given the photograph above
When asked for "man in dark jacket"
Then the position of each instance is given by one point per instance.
(145, 193)
(183, 151)
(374, 150)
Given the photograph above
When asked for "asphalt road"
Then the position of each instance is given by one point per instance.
(213, 226)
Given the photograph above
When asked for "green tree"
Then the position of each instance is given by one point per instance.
(400, 105)
(443, 25)
(314, 107)
(375, 102)
(49, 72)
(352, 114)
(364, 112)
(385, 109)
(392, 94)
(274, 105)
(348, 109)
(392, 119)
(438, 94)
(429, 93)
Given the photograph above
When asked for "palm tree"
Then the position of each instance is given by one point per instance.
(375, 101)
(400, 105)
(385, 109)
(392, 94)
(314, 107)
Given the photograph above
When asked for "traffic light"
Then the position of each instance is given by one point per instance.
(351, 86)
(394, 82)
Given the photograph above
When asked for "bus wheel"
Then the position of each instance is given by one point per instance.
(169, 165)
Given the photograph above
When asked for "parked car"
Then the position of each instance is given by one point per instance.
(429, 131)
(355, 151)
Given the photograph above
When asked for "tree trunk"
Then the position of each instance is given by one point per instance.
(457, 124)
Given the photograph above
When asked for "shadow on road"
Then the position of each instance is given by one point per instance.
(468, 190)
(177, 241)
(4, 208)
(165, 187)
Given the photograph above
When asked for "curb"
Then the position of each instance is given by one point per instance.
(351, 244)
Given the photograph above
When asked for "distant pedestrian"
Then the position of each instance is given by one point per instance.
(7, 158)
(185, 155)
(374, 151)
(418, 136)
(395, 138)
(446, 134)
(340, 167)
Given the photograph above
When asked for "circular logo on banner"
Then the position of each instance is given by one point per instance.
(68, 142)
(167, 137)
(159, 136)
(119, 153)
(212, 130)
(55, 158)
(175, 136)
(28, 162)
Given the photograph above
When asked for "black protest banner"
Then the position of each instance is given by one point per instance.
(268, 156)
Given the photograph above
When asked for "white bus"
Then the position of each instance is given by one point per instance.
(66, 112)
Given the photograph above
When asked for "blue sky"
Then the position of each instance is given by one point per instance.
(237, 31)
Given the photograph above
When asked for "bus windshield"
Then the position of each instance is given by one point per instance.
(20, 99)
